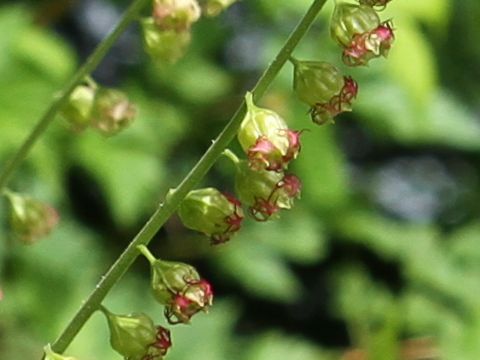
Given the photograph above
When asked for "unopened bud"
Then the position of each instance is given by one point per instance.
(134, 336)
(112, 111)
(179, 287)
(215, 7)
(176, 15)
(30, 219)
(164, 45)
(51, 355)
(323, 87)
(266, 138)
(358, 29)
(78, 109)
(265, 192)
(217, 215)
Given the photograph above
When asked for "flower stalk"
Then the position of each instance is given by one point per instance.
(167, 208)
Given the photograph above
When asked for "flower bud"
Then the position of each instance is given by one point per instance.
(78, 109)
(357, 28)
(51, 355)
(176, 15)
(265, 192)
(30, 219)
(179, 287)
(266, 138)
(217, 215)
(164, 45)
(379, 4)
(112, 111)
(322, 86)
(134, 336)
(215, 7)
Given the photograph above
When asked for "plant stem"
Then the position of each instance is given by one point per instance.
(90, 64)
(166, 209)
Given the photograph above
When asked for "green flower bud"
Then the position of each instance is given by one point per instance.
(179, 287)
(349, 20)
(164, 45)
(51, 355)
(209, 211)
(265, 192)
(176, 15)
(266, 138)
(215, 7)
(323, 87)
(78, 109)
(112, 111)
(135, 337)
(30, 219)
(357, 28)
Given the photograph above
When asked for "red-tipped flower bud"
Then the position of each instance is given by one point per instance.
(51, 355)
(357, 28)
(135, 337)
(79, 107)
(323, 87)
(379, 4)
(179, 287)
(164, 45)
(217, 215)
(176, 15)
(265, 192)
(112, 111)
(215, 7)
(266, 138)
(30, 219)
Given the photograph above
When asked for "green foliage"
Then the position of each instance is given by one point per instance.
(416, 102)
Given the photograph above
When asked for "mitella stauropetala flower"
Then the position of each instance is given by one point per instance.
(264, 192)
(167, 46)
(112, 111)
(179, 288)
(135, 336)
(266, 138)
(215, 7)
(211, 212)
(51, 355)
(323, 87)
(30, 219)
(358, 29)
(176, 15)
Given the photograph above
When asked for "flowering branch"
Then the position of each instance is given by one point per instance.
(168, 207)
(90, 64)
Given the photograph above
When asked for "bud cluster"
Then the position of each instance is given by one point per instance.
(105, 109)
(167, 32)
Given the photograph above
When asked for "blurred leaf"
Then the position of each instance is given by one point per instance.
(45, 53)
(272, 346)
(416, 75)
(129, 175)
(298, 236)
(432, 12)
(258, 269)
(322, 169)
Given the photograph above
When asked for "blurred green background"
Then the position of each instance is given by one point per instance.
(380, 258)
